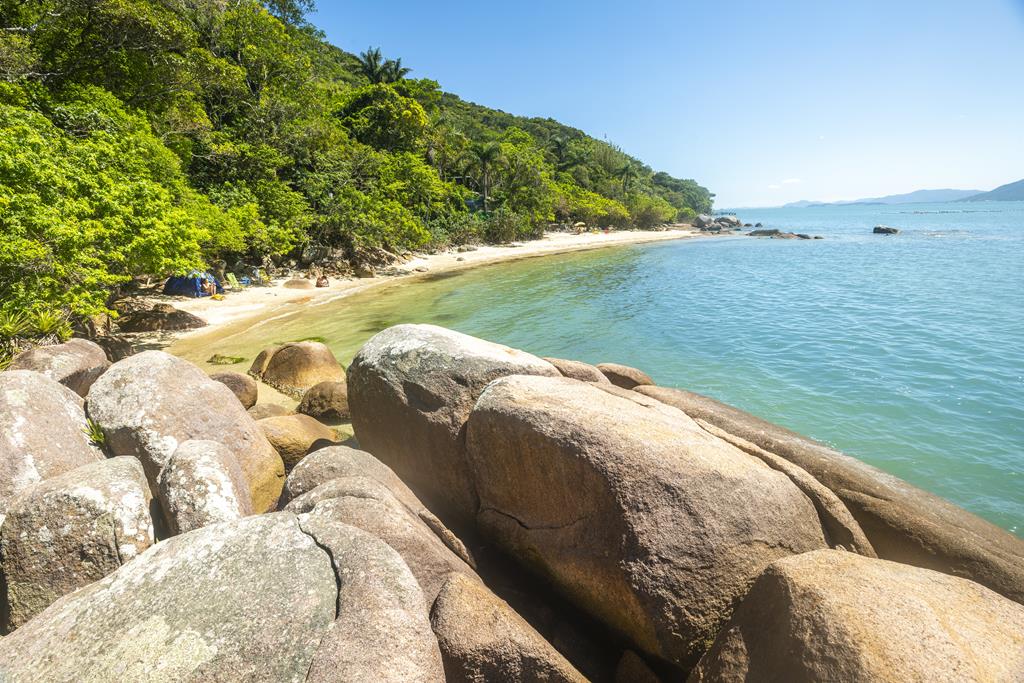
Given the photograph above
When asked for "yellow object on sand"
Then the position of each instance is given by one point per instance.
(217, 297)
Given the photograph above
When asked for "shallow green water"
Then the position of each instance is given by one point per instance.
(907, 352)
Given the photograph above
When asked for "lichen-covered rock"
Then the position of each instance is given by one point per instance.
(264, 410)
(150, 403)
(242, 386)
(326, 401)
(902, 522)
(382, 632)
(248, 600)
(411, 388)
(43, 432)
(574, 369)
(637, 514)
(71, 530)
(483, 639)
(293, 435)
(202, 484)
(367, 504)
(836, 616)
(624, 376)
(76, 363)
(296, 367)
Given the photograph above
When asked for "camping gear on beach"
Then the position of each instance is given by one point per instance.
(233, 282)
(190, 285)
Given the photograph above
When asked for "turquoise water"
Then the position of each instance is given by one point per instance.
(905, 351)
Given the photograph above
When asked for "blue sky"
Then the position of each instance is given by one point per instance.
(761, 102)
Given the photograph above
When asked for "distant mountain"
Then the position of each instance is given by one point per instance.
(917, 197)
(1011, 192)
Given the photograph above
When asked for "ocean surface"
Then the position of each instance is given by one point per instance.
(906, 352)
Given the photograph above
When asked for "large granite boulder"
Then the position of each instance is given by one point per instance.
(411, 388)
(202, 484)
(483, 639)
(326, 401)
(574, 369)
(336, 462)
(628, 507)
(149, 403)
(242, 386)
(264, 410)
(156, 318)
(367, 504)
(835, 616)
(296, 367)
(76, 363)
(902, 522)
(259, 599)
(43, 432)
(624, 376)
(382, 631)
(294, 435)
(71, 530)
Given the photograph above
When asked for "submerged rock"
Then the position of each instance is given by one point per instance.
(628, 507)
(150, 403)
(885, 230)
(76, 363)
(72, 530)
(43, 432)
(203, 484)
(158, 317)
(411, 388)
(265, 410)
(836, 616)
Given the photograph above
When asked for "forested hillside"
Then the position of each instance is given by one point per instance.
(152, 136)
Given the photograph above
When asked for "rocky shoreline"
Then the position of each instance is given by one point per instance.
(497, 516)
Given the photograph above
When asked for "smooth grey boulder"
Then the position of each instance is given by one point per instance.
(259, 599)
(43, 432)
(71, 530)
(629, 508)
(76, 363)
(242, 386)
(411, 388)
(202, 484)
(836, 616)
(150, 403)
(483, 639)
(574, 369)
(902, 522)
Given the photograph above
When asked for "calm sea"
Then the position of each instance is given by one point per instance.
(906, 352)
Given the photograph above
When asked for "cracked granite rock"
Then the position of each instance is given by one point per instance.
(629, 508)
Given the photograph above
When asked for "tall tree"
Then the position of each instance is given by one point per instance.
(371, 64)
(484, 157)
(394, 71)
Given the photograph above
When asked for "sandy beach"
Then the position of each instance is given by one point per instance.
(257, 304)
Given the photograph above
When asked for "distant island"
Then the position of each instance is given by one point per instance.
(1011, 192)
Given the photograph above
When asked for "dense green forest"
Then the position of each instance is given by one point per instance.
(153, 136)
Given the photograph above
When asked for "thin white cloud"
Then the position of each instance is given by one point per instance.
(791, 181)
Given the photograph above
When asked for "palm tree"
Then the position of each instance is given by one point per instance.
(379, 70)
(372, 65)
(394, 71)
(628, 175)
(560, 148)
(484, 156)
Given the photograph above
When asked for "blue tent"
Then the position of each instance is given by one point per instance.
(190, 285)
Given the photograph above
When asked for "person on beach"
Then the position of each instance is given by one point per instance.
(209, 287)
